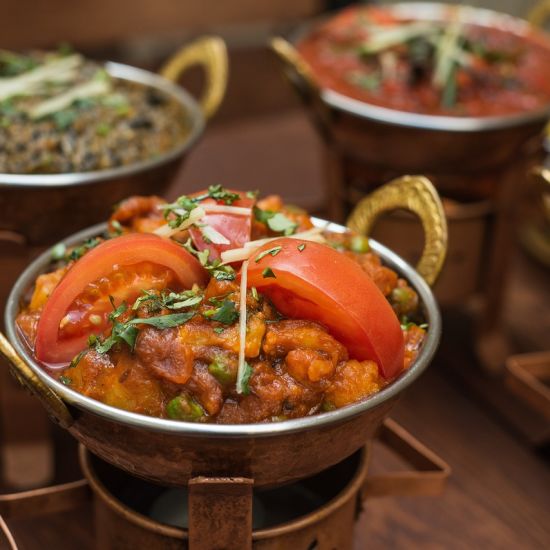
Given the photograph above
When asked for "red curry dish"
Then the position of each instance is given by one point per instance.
(222, 308)
(382, 56)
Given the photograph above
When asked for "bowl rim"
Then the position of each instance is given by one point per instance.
(160, 425)
(129, 73)
(437, 11)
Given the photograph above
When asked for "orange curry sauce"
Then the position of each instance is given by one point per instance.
(495, 71)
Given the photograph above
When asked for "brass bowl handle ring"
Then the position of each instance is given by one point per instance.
(24, 374)
(210, 53)
(418, 195)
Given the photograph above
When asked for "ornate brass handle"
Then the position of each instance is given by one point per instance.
(295, 68)
(417, 194)
(209, 52)
(24, 374)
(539, 13)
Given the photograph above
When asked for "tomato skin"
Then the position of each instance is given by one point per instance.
(321, 284)
(236, 228)
(121, 251)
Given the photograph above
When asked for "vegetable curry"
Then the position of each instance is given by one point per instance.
(223, 308)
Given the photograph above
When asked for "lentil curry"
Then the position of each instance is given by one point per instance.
(222, 308)
(60, 112)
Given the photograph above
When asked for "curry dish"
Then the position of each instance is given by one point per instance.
(60, 113)
(220, 307)
(378, 56)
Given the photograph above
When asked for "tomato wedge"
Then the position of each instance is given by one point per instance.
(315, 282)
(234, 227)
(121, 267)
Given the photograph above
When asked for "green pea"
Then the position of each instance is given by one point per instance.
(222, 372)
(184, 408)
(359, 243)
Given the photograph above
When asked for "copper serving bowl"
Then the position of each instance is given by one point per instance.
(171, 452)
(451, 148)
(41, 208)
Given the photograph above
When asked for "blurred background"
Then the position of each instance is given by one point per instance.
(262, 138)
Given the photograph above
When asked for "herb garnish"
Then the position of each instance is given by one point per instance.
(218, 193)
(79, 251)
(66, 380)
(216, 270)
(273, 251)
(244, 379)
(268, 273)
(171, 300)
(276, 221)
(227, 313)
(301, 247)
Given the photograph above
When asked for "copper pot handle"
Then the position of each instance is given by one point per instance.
(417, 194)
(428, 479)
(24, 374)
(539, 13)
(295, 68)
(210, 53)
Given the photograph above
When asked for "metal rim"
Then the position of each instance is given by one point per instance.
(316, 421)
(140, 76)
(436, 12)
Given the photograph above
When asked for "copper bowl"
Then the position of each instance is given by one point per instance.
(171, 452)
(41, 208)
(447, 147)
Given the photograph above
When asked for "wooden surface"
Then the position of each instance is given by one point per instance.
(46, 23)
(498, 496)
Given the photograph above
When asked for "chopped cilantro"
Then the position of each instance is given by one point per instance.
(243, 379)
(276, 221)
(301, 247)
(163, 321)
(219, 330)
(273, 251)
(79, 251)
(77, 359)
(227, 313)
(268, 273)
(66, 380)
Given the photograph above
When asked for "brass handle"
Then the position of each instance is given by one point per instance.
(209, 52)
(429, 478)
(24, 374)
(539, 13)
(295, 68)
(417, 194)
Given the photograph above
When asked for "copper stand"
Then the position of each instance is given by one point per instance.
(220, 509)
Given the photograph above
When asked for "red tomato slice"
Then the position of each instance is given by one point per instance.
(234, 227)
(121, 267)
(321, 284)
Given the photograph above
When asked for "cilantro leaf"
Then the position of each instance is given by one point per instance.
(267, 273)
(273, 251)
(243, 379)
(227, 313)
(163, 321)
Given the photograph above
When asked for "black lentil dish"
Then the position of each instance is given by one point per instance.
(60, 113)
